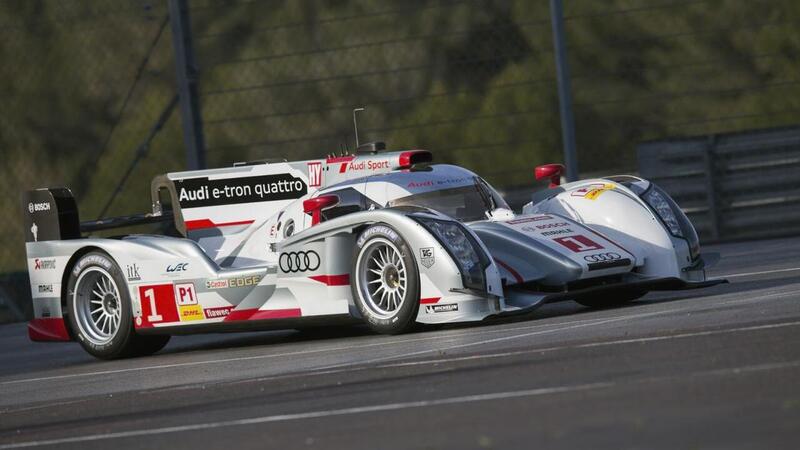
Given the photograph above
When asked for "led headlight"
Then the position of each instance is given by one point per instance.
(462, 248)
(674, 219)
(658, 202)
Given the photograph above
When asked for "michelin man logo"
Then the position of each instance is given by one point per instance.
(35, 232)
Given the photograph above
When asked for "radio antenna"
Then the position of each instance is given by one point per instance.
(355, 122)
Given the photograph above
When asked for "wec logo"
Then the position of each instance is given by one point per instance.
(180, 267)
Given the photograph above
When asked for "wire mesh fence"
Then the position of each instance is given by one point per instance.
(474, 81)
(80, 82)
(87, 85)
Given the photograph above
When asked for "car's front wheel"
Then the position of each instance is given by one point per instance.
(385, 280)
(100, 313)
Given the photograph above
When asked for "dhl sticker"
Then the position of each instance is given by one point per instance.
(592, 192)
(191, 312)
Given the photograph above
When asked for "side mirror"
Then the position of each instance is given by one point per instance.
(315, 205)
(551, 171)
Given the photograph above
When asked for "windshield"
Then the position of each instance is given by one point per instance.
(465, 203)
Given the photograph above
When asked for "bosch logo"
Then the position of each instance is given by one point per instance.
(36, 207)
(602, 257)
(299, 261)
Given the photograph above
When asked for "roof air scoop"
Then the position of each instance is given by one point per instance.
(370, 148)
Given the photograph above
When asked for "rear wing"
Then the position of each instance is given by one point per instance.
(51, 214)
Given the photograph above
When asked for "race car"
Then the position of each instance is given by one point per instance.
(379, 237)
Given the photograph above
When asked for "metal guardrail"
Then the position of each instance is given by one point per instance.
(732, 186)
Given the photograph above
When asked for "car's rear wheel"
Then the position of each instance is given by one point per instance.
(100, 313)
(385, 280)
(611, 299)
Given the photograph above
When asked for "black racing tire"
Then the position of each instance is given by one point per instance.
(610, 299)
(114, 337)
(399, 278)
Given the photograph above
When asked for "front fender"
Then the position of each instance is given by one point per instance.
(613, 210)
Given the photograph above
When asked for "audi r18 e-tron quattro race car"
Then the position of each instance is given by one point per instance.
(383, 238)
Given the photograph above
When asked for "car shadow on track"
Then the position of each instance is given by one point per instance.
(560, 309)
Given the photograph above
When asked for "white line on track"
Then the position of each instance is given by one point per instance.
(764, 272)
(386, 407)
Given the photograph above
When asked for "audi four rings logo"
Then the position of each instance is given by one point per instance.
(601, 257)
(299, 261)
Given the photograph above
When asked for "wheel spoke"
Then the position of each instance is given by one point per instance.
(377, 280)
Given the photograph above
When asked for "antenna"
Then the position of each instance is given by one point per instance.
(355, 122)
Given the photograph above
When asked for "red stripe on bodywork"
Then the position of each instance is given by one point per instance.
(206, 223)
(241, 314)
(266, 314)
(429, 300)
(276, 314)
(48, 329)
(510, 270)
(333, 280)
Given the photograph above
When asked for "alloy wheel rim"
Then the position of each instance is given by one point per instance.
(383, 278)
(97, 305)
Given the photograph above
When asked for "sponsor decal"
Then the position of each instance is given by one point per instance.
(45, 288)
(441, 308)
(445, 182)
(314, 174)
(38, 207)
(302, 261)
(222, 283)
(216, 313)
(217, 284)
(379, 229)
(180, 267)
(426, 257)
(528, 219)
(200, 192)
(185, 294)
(132, 272)
(191, 312)
(419, 184)
(35, 232)
(593, 191)
(44, 264)
(557, 232)
(578, 243)
(552, 225)
(365, 165)
(602, 257)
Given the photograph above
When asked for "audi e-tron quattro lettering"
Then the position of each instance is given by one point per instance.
(383, 238)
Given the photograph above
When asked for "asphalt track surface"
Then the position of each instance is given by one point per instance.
(713, 368)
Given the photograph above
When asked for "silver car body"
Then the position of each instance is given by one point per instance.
(247, 255)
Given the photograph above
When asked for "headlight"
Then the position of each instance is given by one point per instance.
(656, 200)
(674, 219)
(462, 248)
